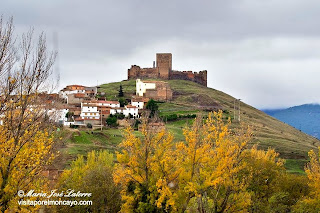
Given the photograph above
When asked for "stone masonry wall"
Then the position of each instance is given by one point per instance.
(198, 77)
(138, 72)
(162, 92)
(163, 70)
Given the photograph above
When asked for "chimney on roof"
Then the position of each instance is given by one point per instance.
(154, 64)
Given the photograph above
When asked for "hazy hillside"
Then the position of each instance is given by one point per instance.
(305, 118)
(190, 97)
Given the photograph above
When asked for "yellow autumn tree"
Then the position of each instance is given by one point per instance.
(209, 160)
(25, 133)
(143, 163)
(264, 171)
(93, 175)
(311, 203)
(198, 174)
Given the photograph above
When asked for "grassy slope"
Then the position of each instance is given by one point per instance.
(268, 131)
(81, 141)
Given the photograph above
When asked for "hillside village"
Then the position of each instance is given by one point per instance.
(78, 105)
(83, 105)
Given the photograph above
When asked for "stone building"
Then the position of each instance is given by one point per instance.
(75, 94)
(157, 90)
(163, 69)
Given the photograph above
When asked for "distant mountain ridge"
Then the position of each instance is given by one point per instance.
(305, 117)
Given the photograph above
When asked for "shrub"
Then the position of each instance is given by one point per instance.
(74, 126)
(119, 116)
(123, 102)
(152, 106)
(112, 121)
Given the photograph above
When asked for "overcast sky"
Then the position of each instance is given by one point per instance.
(265, 52)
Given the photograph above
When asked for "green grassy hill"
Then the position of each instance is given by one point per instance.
(192, 98)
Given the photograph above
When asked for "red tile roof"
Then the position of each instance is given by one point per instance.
(130, 106)
(108, 102)
(139, 99)
(79, 95)
(75, 85)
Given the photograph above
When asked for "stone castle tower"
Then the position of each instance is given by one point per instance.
(163, 70)
(164, 64)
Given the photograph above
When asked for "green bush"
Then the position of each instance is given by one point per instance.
(171, 117)
(112, 121)
(74, 126)
(123, 102)
(136, 124)
(119, 116)
(152, 106)
(89, 125)
(174, 117)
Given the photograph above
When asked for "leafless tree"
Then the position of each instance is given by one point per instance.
(25, 67)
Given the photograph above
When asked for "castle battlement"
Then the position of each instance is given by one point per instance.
(163, 70)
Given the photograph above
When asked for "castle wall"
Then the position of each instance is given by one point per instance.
(149, 73)
(133, 72)
(198, 77)
(163, 70)
(138, 72)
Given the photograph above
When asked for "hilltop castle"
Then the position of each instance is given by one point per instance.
(163, 69)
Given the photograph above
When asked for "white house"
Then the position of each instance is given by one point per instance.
(141, 87)
(129, 109)
(139, 102)
(67, 91)
(116, 110)
(112, 104)
(77, 89)
(89, 111)
(59, 116)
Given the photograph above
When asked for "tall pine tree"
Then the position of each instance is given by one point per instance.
(120, 91)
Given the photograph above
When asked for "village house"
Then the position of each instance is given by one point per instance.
(112, 104)
(71, 89)
(126, 111)
(59, 116)
(131, 110)
(75, 94)
(139, 102)
(89, 111)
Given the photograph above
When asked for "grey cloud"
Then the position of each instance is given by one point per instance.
(258, 42)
